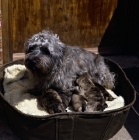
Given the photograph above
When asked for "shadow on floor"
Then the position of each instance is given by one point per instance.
(130, 65)
(132, 122)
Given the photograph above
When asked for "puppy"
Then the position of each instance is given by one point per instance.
(91, 97)
(51, 101)
(56, 65)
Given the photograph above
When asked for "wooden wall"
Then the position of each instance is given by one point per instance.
(78, 22)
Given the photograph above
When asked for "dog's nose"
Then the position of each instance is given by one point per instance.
(30, 62)
(33, 63)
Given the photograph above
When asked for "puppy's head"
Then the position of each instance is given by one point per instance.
(43, 51)
(84, 81)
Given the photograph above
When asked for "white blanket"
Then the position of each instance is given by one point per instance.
(17, 80)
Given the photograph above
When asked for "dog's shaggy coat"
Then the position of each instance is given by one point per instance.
(56, 65)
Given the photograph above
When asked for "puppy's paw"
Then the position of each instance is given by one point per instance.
(101, 107)
(52, 102)
(34, 91)
(78, 103)
(110, 98)
(56, 108)
(96, 106)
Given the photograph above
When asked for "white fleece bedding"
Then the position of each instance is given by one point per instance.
(17, 80)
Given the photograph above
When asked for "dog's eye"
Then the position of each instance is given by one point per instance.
(45, 50)
(31, 48)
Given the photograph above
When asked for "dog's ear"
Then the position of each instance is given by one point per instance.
(56, 48)
(52, 44)
(26, 46)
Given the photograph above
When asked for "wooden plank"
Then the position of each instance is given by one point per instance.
(81, 23)
(7, 48)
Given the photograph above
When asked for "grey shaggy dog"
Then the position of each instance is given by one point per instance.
(56, 66)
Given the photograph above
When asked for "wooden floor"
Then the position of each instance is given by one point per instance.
(130, 131)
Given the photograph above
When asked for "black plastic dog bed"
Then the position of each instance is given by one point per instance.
(72, 126)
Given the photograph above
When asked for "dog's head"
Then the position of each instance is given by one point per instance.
(43, 52)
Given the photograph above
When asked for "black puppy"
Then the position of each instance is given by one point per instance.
(52, 101)
(56, 65)
(91, 96)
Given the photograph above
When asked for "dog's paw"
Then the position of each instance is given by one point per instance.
(52, 102)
